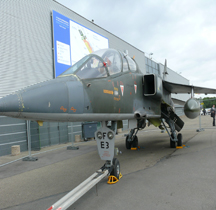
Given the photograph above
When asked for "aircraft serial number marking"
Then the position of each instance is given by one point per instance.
(108, 91)
(103, 146)
(63, 109)
(72, 108)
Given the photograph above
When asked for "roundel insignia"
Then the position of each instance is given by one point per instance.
(135, 87)
(122, 88)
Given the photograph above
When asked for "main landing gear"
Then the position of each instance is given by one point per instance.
(105, 137)
(132, 139)
(174, 138)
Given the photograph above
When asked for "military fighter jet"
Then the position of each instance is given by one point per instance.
(106, 86)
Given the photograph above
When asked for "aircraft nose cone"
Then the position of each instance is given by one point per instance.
(50, 100)
(47, 98)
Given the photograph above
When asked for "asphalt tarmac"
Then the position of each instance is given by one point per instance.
(154, 177)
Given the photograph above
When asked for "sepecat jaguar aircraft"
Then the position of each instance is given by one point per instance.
(106, 86)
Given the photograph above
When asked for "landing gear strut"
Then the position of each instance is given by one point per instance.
(131, 139)
(174, 138)
(105, 138)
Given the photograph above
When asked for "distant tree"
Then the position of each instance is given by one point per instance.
(208, 102)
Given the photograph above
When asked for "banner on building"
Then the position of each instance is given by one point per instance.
(72, 41)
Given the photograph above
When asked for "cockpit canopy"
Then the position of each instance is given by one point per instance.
(101, 63)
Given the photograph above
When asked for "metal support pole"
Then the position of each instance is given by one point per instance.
(200, 129)
(72, 147)
(192, 92)
(29, 158)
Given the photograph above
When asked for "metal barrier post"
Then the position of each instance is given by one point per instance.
(200, 129)
(72, 147)
(29, 158)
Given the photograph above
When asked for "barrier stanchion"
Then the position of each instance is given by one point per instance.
(200, 129)
(29, 158)
(72, 147)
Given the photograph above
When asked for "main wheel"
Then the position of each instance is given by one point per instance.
(127, 143)
(116, 168)
(172, 143)
(135, 142)
(179, 137)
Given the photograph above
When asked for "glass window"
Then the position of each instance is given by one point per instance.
(94, 68)
(125, 64)
(96, 64)
(146, 60)
(88, 67)
(113, 62)
(147, 69)
(131, 63)
(157, 72)
(73, 68)
(150, 70)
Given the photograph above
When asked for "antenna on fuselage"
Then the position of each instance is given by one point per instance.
(165, 69)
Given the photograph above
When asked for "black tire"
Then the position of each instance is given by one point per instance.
(172, 143)
(179, 137)
(116, 168)
(135, 142)
(127, 143)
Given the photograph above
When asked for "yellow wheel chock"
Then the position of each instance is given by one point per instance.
(112, 179)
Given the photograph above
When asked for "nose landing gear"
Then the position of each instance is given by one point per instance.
(105, 138)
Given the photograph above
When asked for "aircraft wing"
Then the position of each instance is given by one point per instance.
(179, 88)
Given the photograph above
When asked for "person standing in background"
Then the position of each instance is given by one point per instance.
(213, 114)
(204, 111)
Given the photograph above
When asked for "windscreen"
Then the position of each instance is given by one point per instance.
(97, 64)
(91, 66)
(76, 66)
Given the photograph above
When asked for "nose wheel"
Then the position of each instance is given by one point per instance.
(135, 142)
(128, 143)
(116, 168)
(179, 142)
